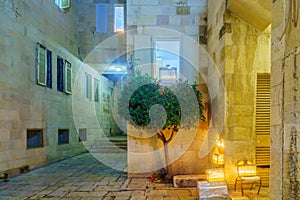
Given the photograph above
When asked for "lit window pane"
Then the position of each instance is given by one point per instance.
(119, 19)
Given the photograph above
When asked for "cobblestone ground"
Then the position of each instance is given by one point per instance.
(84, 177)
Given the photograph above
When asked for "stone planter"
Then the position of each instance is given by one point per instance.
(146, 152)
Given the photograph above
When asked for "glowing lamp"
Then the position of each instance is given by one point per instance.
(215, 175)
(246, 170)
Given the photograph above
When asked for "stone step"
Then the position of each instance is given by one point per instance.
(237, 197)
(115, 150)
(109, 146)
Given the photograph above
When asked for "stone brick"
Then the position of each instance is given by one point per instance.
(145, 2)
(276, 117)
(235, 134)
(247, 121)
(168, 10)
(201, 3)
(5, 135)
(146, 20)
(166, 2)
(175, 20)
(151, 10)
(87, 194)
(162, 20)
(133, 10)
(4, 146)
(277, 7)
(191, 30)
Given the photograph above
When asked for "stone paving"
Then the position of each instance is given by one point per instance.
(84, 178)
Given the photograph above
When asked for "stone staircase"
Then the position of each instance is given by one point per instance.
(114, 144)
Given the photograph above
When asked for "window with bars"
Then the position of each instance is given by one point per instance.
(34, 138)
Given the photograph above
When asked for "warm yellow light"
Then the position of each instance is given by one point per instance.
(215, 175)
(246, 170)
(220, 143)
(218, 159)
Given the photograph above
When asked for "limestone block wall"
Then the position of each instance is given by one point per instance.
(146, 153)
(89, 39)
(247, 53)
(285, 168)
(86, 112)
(26, 105)
(237, 50)
(161, 14)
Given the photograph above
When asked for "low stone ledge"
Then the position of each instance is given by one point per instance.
(187, 181)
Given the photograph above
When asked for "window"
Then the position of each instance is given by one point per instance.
(49, 69)
(44, 66)
(68, 77)
(167, 60)
(96, 90)
(101, 18)
(64, 76)
(118, 18)
(63, 3)
(102, 11)
(82, 134)
(88, 85)
(63, 136)
(34, 138)
(60, 74)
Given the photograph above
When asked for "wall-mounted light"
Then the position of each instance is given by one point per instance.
(246, 168)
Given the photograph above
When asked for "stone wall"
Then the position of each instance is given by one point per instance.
(26, 105)
(237, 50)
(162, 16)
(89, 39)
(285, 104)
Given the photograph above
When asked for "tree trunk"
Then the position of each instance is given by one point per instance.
(166, 136)
(168, 165)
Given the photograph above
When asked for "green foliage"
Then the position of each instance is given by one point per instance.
(178, 101)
